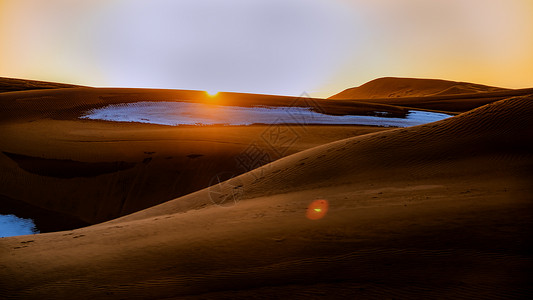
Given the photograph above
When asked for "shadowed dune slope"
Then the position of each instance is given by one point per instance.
(441, 210)
(392, 87)
(13, 84)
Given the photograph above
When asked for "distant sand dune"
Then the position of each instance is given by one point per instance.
(392, 87)
(428, 94)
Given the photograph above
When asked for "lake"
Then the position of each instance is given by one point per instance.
(190, 113)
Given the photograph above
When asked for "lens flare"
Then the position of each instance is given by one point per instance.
(317, 209)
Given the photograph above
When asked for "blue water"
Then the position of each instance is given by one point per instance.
(10, 225)
(187, 113)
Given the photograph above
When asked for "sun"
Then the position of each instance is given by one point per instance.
(211, 93)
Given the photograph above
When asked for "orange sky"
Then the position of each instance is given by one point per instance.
(266, 46)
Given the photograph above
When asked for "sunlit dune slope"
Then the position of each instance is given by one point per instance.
(393, 87)
(439, 210)
(13, 84)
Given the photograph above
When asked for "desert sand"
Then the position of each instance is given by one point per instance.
(441, 210)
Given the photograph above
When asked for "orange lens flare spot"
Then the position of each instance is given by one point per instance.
(317, 209)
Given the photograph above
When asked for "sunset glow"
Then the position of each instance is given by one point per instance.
(283, 47)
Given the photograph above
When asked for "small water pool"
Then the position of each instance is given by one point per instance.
(11, 225)
(189, 113)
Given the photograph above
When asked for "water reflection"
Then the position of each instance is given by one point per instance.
(187, 113)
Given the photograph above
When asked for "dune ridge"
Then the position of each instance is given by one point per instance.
(14, 84)
(437, 210)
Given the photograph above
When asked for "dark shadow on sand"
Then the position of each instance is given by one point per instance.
(66, 168)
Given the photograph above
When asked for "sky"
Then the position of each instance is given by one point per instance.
(281, 47)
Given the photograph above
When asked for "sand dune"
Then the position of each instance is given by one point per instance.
(430, 94)
(478, 133)
(441, 210)
(392, 87)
